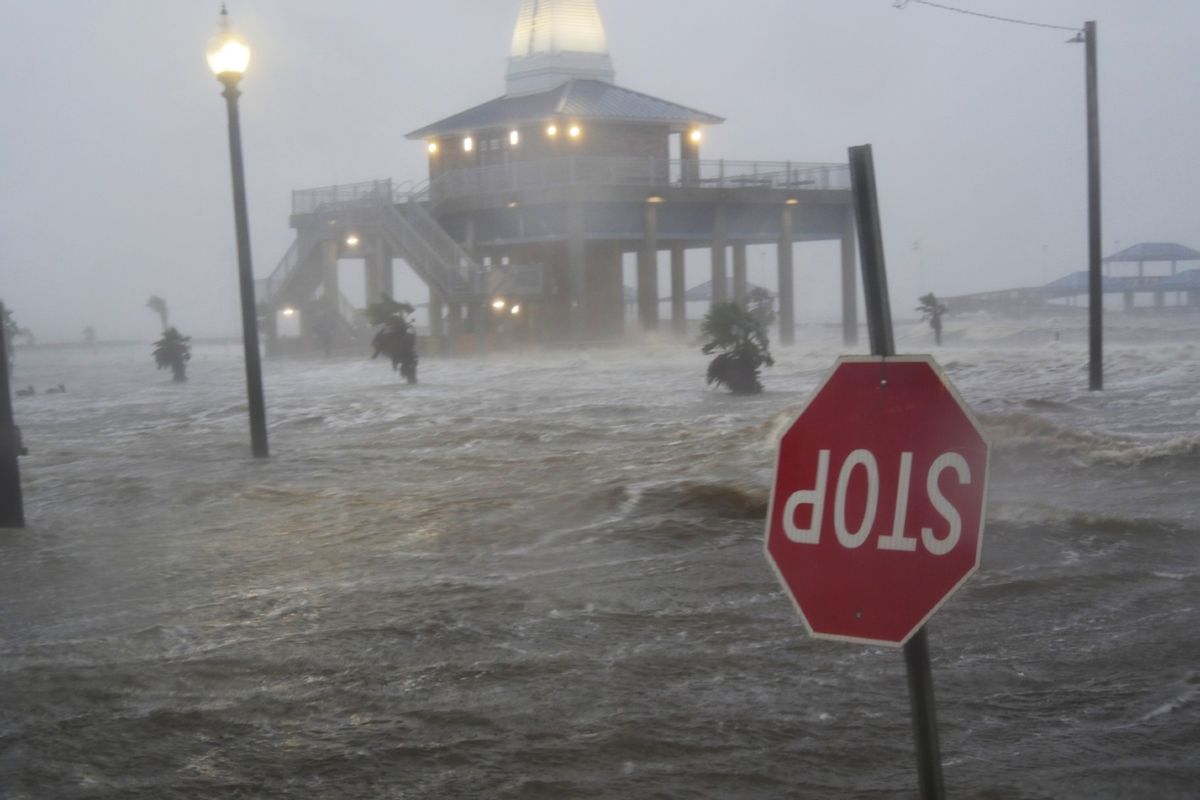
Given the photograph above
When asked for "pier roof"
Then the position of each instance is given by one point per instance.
(580, 99)
(1154, 251)
(1078, 282)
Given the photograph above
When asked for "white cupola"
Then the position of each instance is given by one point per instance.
(555, 41)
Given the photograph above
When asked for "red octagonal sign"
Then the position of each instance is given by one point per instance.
(876, 512)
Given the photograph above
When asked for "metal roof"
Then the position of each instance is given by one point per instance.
(578, 99)
(1078, 281)
(1155, 251)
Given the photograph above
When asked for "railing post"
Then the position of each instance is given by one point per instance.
(721, 173)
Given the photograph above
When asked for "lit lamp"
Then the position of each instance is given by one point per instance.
(228, 57)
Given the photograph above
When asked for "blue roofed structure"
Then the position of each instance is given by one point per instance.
(1154, 251)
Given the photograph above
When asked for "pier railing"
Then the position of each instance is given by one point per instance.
(310, 201)
(649, 173)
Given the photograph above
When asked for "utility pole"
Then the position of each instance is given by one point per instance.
(1095, 278)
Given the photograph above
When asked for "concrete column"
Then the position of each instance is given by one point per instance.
(1129, 301)
(386, 282)
(605, 291)
(849, 281)
(436, 328)
(270, 327)
(1160, 299)
(740, 289)
(787, 289)
(477, 313)
(326, 327)
(576, 266)
(453, 330)
(720, 288)
(1193, 297)
(329, 271)
(373, 273)
(647, 272)
(678, 291)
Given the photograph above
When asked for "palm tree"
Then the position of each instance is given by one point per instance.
(11, 331)
(761, 304)
(174, 351)
(158, 306)
(931, 309)
(396, 337)
(742, 339)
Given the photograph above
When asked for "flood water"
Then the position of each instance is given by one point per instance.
(540, 575)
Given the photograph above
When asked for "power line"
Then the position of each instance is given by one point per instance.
(901, 4)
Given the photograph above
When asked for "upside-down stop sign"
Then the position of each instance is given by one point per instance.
(876, 512)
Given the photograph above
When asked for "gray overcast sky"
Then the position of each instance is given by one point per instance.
(114, 171)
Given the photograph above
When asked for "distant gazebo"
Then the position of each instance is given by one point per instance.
(1185, 285)
(1154, 252)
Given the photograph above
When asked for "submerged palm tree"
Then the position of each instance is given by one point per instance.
(931, 309)
(174, 351)
(396, 337)
(11, 331)
(742, 339)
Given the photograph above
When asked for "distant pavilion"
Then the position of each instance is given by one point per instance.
(1182, 285)
(534, 198)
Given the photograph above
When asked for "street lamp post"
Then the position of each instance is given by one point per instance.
(228, 56)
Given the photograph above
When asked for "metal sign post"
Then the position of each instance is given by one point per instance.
(12, 506)
(879, 326)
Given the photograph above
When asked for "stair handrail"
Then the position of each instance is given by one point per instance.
(432, 231)
(286, 266)
(452, 279)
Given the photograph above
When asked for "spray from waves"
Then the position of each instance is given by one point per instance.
(1020, 515)
(716, 500)
(1187, 695)
(1027, 434)
(1180, 450)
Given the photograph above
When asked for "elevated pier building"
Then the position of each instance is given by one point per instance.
(535, 197)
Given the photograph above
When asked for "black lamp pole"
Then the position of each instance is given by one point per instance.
(254, 383)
